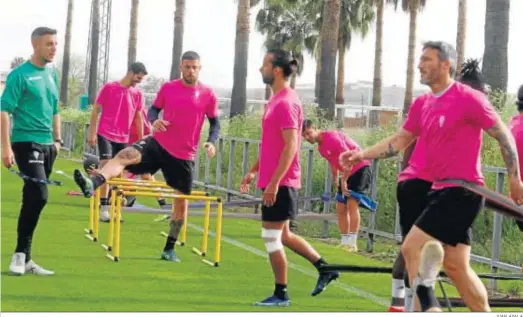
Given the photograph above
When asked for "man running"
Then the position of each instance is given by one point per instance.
(414, 185)
(31, 97)
(120, 103)
(172, 147)
(279, 172)
(330, 145)
(449, 120)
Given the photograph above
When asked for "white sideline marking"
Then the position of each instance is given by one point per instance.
(346, 287)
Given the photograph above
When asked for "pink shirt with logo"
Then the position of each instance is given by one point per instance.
(334, 143)
(516, 127)
(450, 125)
(185, 109)
(147, 129)
(283, 111)
(119, 106)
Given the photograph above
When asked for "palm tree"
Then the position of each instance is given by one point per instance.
(462, 32)
(179, 18)
(241, 56)
(356, 17)
(67, 54)
(329, 47)
(495, 63)
(133, 32)
(95, 43)
(17, 61)
(289, 27)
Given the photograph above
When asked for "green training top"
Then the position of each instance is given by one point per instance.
(31, 96)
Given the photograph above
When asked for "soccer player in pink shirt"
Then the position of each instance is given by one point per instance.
(172, 147)
(331, 144)
(120, 103)
(414, 185)
(279, 173)
(449, 120)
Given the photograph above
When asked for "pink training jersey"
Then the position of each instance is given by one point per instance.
(516, 127)
(417, 167)
(185, 108)
(334, 143)
(147, 129)
(283, 111)
(119, 106)
(450, 125)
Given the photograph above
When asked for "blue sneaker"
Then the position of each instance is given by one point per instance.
(85, 183)
(323, 280)
(273, 301)
(169, 256)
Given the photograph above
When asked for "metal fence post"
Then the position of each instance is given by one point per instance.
(219, 162)
(374, 195)
(497, 232)
(231, 167)
(326, 204)
(308, 179)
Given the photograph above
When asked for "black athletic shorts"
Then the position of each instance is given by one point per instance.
(108, 149)
(178, 173)
(412, 197)
(359, 182)
(449, 215)
(285, 207)
(36, 161)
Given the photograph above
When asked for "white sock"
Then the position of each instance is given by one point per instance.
(353, 237)
(345, 239)
(409, 294)
(398, 288)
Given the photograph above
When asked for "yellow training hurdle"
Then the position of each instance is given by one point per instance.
(92, 231)
(116, 207)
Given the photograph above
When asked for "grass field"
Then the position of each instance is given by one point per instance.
(86, 281)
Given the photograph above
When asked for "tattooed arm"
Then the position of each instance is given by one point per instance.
(506, 141)
(390, 146)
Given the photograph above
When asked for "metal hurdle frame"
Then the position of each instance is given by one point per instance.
(92, 231)
(119, 193)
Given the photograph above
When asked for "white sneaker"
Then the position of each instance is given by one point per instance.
(431, 259)
(104, 216)
(32, 267)
(17, 266)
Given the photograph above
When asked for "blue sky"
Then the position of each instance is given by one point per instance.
(210, 30)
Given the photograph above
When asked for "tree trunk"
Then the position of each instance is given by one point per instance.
(268, 92)
(179, 18)
(318, 72)
(462, 34)
(495, 64)
(293, 81)
(67, 54)
(95, 43)
(340, 80)
(378, 52)
(241, 54)
(133, 33)
(329, 49)
(411, 53)
(414, 8)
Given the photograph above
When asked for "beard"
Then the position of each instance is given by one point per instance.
(189, 80)
(268, 79)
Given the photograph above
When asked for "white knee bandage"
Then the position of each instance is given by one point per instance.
(272, 239)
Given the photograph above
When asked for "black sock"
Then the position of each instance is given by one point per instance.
(162, 202)
(104, 201)
(169, 244)
(319, 263)
(280, 291)
(426, 296)
(98, 180)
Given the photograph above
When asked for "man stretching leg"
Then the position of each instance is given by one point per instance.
(172, 147)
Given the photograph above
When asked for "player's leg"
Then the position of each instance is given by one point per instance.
(457, 251)
(178, 175)
(33, 160)
(105, 151)
(149, 177)
(343, 218)
(358, 182)
(131, 155)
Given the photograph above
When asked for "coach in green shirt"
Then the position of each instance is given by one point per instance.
(31, 97)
